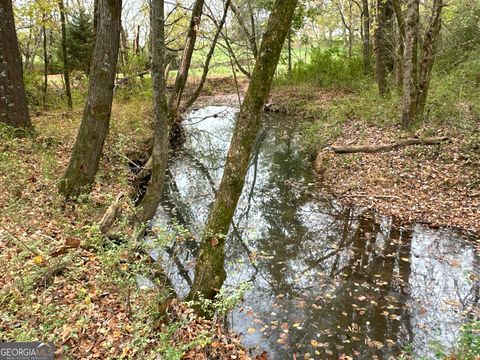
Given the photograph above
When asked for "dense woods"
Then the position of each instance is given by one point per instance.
(249, 179)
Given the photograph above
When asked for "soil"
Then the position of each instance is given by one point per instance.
(436, 185)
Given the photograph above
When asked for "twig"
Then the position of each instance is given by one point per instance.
(373, 196)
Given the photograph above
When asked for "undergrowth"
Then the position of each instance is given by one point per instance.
(453, 106)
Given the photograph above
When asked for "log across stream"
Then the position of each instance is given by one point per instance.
(323, 279)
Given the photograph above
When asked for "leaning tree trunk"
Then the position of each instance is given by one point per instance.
(87, 150)
(206, 66)
(409, 103)
(182, 75)
(147, 208)
(428, 55)
(66, 70)
(209, 271)
(13, 101)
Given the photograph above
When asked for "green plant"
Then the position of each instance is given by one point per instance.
(328, 68)
(226, 300)
(468, 344)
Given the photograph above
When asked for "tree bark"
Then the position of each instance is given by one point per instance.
(383, 37)
(249, 35)
(88, 147)
(366, 37)
(66, 70)
(124, 45)
(13, 101)
(289, 41)
(409, 103)
(209, 271)
(182, 75)
(401, 43)
(45, 64)
(206, 66)
(428, 54)
(148, 206)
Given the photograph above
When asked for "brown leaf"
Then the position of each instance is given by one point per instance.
(214, 241)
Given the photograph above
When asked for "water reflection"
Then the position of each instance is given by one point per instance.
(325, 280)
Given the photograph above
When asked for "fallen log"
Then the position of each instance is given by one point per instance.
(388, 147)
(110, 215)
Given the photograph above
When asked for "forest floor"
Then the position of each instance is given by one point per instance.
(61, 280)
(436, 185)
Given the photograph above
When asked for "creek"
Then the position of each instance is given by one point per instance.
(324, 279)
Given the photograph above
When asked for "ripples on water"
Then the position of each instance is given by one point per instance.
(324, 279)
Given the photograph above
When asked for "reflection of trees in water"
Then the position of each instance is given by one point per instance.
(352, 262)
(340, 274)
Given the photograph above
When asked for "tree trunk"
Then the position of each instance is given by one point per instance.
(401, 43)
(124, 44)
(409, 105)
(290, 54)
(182, 74)
(206, 66)
(383, 37)
(45, 65)
(13, 101)
(366, 37)
(209, 271)
(428, 54)
(136, 41)
(248, 34)
(350, 30)
(66, 71)
(87, 150)
(149, 204)
(96, 16)
(253, 28)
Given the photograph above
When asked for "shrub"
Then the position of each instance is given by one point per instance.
(329, 68)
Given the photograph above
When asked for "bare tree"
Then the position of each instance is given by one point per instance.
(13, 101)
(88, 147)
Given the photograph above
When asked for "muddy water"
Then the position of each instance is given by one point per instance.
(324, 280)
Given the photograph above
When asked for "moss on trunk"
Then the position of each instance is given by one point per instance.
(209, 270)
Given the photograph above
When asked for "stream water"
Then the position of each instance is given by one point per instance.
(324, 280)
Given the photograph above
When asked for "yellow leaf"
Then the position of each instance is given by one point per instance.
(314, 343)
(251, 330)
(38, 260)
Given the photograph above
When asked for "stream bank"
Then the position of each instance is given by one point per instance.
(320, 279)
(434, 185)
